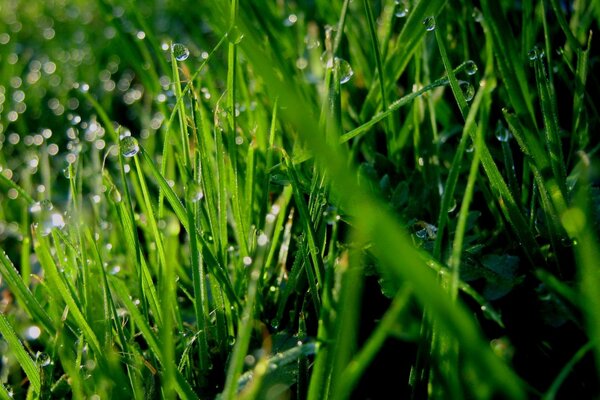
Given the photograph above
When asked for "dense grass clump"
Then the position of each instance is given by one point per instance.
(299, 199)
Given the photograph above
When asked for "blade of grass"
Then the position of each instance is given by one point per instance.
(42, 248)
(30, 368)
(13, 280)
(361, 361)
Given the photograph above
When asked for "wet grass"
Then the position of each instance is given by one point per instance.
(306, 200)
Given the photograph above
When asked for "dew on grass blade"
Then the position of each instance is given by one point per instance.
(467, 89)
(311, 42)
(401, 8)
(429, 23)
(345, 71)
(45, 218)
(180, 52)
(290, 20)
(502, 134)
(331, 215)
(470, 67)
(115, 195)
(477, 15)
(535, 53)
(194, 192)
(33, 332)
(275, 323)
(41, 206)
(129, 146)
(42, 359)
(234, 35)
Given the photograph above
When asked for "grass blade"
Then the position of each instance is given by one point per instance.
(30, 368)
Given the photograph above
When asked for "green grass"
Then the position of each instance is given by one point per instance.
(305, 200)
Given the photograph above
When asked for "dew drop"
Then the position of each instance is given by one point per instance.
(129, 146)
(45, 217)
(535, 53)
(234, 35)
(115, 195)
(41, 206)
(452, 206)
(502, 134)
(311, 42)
(33, 332)
(470, 67)
(429, 23)
(231, 340)
(331, 215)
(290, 20)
(275, 323)
(345, 71)
(43, 359)
(326, 59)
(401, 8)
(194, 192)
(467, 89)
(180, 52)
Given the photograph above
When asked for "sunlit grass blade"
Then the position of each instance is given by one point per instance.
(23, 358)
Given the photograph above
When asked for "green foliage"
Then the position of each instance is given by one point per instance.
(299, 199)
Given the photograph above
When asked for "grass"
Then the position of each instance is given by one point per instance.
(298, 199)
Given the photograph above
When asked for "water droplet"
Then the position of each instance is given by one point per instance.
(33, 332)
(477, 15)
(247, 261)
(194, 192)
(115, 195)
(129, 146)
(46, 218)
(401, 8)
(345, 71)
(452, 206)
(43, 359)
(422, 234)
(326, 59)
(290, 20)
(180, 52)
(41, 206)
(429, 23)
(262, 240)
(311, 42)
(234, 35)
(502, 134)
(467, 89)
(275, 323)
(249, 360)
(331, 215)
(535, 53)
(470, 67)
(231, 340)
